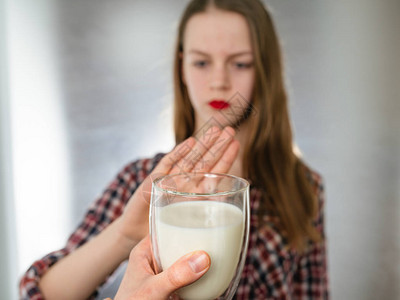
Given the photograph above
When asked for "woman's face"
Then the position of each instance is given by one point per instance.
(218, 68)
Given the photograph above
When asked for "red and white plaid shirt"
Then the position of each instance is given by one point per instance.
(272, 270)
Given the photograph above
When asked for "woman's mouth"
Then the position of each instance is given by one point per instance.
(219, 104)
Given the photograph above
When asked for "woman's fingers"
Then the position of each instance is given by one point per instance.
(202, 155)
(226, 160)
(200, 148)
(165, 165)
(172, 159)
(224, 163)
(216, 151)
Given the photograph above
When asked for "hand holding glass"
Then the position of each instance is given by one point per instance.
(202, 211)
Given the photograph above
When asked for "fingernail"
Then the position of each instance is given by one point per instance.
(199, 262)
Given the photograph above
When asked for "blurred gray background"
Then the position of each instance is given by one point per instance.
(86, 88)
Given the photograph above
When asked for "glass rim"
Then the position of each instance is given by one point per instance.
(187, 194)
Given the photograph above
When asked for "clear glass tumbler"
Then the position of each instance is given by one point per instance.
(202, 211)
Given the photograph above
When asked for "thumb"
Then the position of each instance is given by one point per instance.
(184, 271)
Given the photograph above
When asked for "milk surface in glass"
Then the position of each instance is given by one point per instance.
(212, 226)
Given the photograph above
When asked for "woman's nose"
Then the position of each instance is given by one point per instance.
(219, 78)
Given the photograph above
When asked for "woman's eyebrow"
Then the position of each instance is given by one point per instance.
(194, 51)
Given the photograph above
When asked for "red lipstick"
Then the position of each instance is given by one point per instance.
(219, 104)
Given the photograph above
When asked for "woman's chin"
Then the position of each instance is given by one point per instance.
(217, 119)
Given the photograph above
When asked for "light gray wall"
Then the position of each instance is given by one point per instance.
(8, 255)
(116, 83)
(112, 65)
(344, 75)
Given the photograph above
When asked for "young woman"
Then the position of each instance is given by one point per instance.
(231, 116)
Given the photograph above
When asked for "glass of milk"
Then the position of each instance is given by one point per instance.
(202, 211)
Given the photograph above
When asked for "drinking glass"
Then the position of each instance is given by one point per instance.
(202, 211)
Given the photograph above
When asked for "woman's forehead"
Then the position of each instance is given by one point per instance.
(217, 30)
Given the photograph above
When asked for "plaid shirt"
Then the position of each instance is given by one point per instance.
(272, 270)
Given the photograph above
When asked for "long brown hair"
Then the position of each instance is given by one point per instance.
(269, 161)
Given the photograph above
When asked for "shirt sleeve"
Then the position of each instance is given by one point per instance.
(310, 280)
(108, 207)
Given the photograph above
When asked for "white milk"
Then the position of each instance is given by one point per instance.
(214, 227)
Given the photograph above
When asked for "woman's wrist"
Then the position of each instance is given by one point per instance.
(121, 241)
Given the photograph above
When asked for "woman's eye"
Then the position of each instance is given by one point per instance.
(242, 65)
(200, 63)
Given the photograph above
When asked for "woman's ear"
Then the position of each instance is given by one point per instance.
(182, 69)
